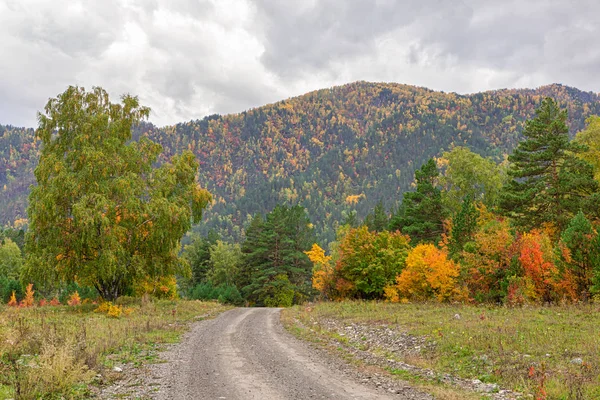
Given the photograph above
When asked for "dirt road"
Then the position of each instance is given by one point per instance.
(246, 354)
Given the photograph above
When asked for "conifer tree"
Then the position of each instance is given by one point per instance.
(275, 246)
(378, 220)
(549, 183)
(423, 211)
(578, 252)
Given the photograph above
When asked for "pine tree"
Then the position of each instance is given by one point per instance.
(378, 220)
(549, 184)
(423, 212)
(275, 246)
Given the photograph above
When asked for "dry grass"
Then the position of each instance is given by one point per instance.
(56, 352)
(549, 352)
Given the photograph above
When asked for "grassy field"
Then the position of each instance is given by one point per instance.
(63, 352)
(546, 352)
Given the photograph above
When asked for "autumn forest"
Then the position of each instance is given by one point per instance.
(365, 191)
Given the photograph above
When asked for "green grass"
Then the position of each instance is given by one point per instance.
(531, 349)
(56, 352)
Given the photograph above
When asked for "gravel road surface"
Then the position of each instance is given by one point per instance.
(246, 354)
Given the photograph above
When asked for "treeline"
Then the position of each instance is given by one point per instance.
(526, 230)
(336, 152)
(270, 268)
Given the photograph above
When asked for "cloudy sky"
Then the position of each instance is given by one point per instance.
(189, 58)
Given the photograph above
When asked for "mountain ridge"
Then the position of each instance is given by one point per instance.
(359, 139)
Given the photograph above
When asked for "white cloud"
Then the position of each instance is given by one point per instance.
(189, 58)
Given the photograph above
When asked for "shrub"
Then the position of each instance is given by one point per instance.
(163, 287)
(74, 300)
(85, 292)
(225, 294)
(10, 286)
(28, 301)
(279, 292)
(13, 300)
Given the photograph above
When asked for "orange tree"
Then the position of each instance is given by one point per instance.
(101, 212)
(430, 274)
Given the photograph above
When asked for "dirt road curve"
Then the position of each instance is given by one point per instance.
(246, 354)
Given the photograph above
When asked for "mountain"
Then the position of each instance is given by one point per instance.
(332, 150)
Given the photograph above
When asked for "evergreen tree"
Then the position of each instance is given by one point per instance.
(549, 184)
(197, 253)
(579, 238)
(378, 220)
(396, 219)
(595, 260)
(350, 219)
(274, 247)
(423, 212)
(463, 226)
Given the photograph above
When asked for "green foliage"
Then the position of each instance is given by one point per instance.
(16, 235)
(225, 294)
(197, 253)
(368, 261)
(578, 251)
(316, 149)
(225, 260)
(595, 260)
(464, 226)
(85, 292)
(378, 220)
(11, 259)
(423, 211)
(549, 184)
(279, 292)
(100, 211)
(467, 174)
(590, 138)
(273, 247)
(8, 286)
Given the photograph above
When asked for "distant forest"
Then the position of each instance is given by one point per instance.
(336, 152)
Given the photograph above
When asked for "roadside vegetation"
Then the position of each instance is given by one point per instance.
(546, 352)
(68, 351)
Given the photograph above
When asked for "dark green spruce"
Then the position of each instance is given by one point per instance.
(549, 183)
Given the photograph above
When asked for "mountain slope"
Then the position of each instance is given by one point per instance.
(361, 139)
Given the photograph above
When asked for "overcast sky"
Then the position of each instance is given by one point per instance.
(190, 58)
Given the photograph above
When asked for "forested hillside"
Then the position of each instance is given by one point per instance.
(332, 151)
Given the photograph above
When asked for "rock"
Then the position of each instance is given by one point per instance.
(117, 369)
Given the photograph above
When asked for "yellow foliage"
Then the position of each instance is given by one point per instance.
(103, 307)
(323, 274)
(28, 301)
(317, 255)
(353, 199)
(114, 311)
(74, 300)
(163, 287)
(391, 294)
(429, 273)
(13, 300)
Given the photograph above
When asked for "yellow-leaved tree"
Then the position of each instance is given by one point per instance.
(428, 274)
(323, 273)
